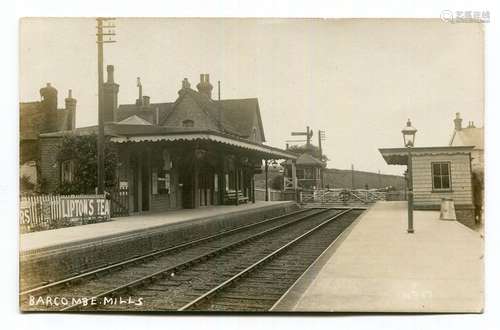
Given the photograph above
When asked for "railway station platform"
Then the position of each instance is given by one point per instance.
(376, 266)
(53, 254)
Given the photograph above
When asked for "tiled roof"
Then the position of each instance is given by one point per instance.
(126, 110)
(134, 120)
(240, 113)
(33, 120)
(30, 120)
(233, 116)
(306, 159)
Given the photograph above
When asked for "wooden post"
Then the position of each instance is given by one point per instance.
(266, 167)
(196, 199)
(236, 184)
(294, 175)
(222, 187)
(253, 188)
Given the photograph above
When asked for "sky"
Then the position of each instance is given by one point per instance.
(357, 79)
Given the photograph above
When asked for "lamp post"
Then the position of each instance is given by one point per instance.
(409, 141)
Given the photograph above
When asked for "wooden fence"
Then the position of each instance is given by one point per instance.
(45, 212)
(119, 202)
(345, 196)
(275, 195)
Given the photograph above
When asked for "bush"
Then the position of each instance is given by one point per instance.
(82, 150)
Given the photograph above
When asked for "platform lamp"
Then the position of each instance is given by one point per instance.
(409, 141)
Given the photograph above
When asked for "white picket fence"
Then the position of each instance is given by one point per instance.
(345, 196)
(44, 212)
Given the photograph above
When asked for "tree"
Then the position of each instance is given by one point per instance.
(312, 150)
(82, 151)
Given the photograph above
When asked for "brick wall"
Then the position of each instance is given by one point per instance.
(49, 166)
(58, 262)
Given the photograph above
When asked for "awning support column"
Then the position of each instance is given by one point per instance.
(236, 183)
(252, 183)
(294, 175)
(266, 167)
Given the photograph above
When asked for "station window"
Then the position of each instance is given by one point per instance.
(441, 176)
(67, 171)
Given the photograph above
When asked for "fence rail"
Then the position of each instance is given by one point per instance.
(345, 196)
(43, 212)
(119, 202)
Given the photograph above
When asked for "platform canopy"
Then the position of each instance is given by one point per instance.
(136, 133)
(133, 133)
(399, 156)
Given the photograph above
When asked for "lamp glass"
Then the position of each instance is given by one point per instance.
(409, 134)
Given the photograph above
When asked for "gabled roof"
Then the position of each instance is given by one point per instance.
(469, 136)
(126, 110)
(240, 112)
(134, 120)
(306, 159)
(234, 116)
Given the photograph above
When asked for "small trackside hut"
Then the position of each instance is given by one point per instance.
(190, 153)
(437, 173)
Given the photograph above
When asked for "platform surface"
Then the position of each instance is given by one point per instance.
(379, 267)
(133, 223)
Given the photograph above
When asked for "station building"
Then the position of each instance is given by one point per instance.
(452, 172)
(437, 173)
(194, 152)
(308, 171)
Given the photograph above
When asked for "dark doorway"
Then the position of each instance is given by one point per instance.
(187, 190)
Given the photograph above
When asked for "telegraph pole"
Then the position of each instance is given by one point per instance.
(101, 21)
(321, 137)
(352, 176)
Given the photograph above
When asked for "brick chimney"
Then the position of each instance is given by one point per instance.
(49, 97)
(204, 86)
(185, 86)
(70, 105)
(458, 122)
(110, 96)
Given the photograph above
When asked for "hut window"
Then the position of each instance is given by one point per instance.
(188, 123)
(67, 171)
(441, 176)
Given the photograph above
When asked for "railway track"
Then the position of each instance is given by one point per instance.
(259, 286)
(190, 276)
(88, 283)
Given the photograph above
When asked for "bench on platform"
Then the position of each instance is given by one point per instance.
(230, 197)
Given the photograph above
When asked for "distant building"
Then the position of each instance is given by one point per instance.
(41, 117)
(472, 136)
(194, 152)
(469, 136)
(309, 172)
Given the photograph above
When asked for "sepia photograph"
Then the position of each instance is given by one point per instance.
(251, 165)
